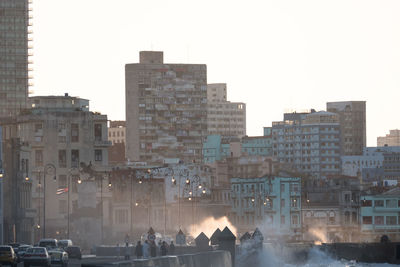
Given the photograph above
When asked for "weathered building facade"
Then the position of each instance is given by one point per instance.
(352, 117)
(224, 117)
(15, 49)
(309, 142)
(271, 203)
(330, 209)
(391, 139)
(62, 133)
(166, 110)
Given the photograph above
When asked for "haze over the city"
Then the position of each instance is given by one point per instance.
(274, 55)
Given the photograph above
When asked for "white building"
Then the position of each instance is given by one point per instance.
(224, 118)
(371, 158)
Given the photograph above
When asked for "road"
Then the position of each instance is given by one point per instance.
(71, 263)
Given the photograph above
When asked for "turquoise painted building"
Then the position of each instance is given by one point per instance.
(273, 204)
(217, 147)
(380, 215)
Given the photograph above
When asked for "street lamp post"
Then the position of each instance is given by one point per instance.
(68, 196)
(47, 167)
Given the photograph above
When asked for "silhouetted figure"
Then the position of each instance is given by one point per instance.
(153, 249)
(163, 248)
(146, 249)
(385, 239)
(172, 248)
(139, 250)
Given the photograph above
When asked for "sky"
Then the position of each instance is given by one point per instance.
(275, 56)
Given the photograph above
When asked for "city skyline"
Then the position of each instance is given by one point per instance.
(277, 55)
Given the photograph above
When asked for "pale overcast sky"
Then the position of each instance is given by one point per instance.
(274, 55)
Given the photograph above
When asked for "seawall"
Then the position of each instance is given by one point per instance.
(217, 258)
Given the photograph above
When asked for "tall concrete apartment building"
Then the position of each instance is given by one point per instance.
(166, 109)
(224, 118)
(61, 133)
(309, 143)
(352, 116)
(15, 38)
(391, 139)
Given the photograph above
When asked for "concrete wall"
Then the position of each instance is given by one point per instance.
(205, 259)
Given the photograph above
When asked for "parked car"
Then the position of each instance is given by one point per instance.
(65, 243)
(21, 252)
(59, 256)
(15, 246)
(74, 252)
(48, 243)
(8, 256)
(37, 256)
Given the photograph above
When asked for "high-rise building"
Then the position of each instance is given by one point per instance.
(224, 117)
(15, 37)
(309, 143)
(166, 109)
(62, 134)
(352, 116)
(391, 139)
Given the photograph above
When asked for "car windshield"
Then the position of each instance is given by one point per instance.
(22, 249)
(8, 249)
(36, 251)
(48, 244)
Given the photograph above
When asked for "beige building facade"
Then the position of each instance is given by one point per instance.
(352, 116)
(62, 134)
(391, 139)
(166, 109)
(224, 118)
(117, 132)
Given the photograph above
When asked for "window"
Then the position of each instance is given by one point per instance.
(74, 132)
(282, 203)
(38, 127)
(294, 187)
(379, 220)
(282, 220)
(62, 181)
(295, 219)
(379, 203)
(62, 158)
(38, 157)
(391, 203)
(98, 155)
(367, 219)
(294, 202)
(62, 206)
(367, 203)
(282, 188)
(121, 216)
(391, 220)
(97, 132)
(75, 158)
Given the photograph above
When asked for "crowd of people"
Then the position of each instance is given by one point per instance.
(150, 249)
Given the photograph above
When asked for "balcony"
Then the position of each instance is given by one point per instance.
(102, 143)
